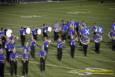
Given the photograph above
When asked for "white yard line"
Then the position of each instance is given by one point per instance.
(9, 75)
(52, 65)
(78, 12)
(92, 71)
(76, 71)
(85, 71)
(31, 16)
(112, 8)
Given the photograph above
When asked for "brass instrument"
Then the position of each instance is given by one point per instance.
(84, 40)
(98, 38)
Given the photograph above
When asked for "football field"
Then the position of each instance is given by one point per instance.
(34, 15)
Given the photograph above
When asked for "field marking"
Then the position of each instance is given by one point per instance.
(112, 8)
(52, 65)
(9, 74)
(86, 71)
(22, 16)
(92, 71)
(31, 16)
(78, 12)
(12, 14)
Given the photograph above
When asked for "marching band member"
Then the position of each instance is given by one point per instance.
(34, 34)
(46, 44)
(56, 31)
(72, 47)
(9, 46)
(94, 27)
(0, 43)
(32, 47)
(59, 49)
(13, 63)
(98, 30)
(97, 39)
(42, 54)
(1, 33)
(12, 38)
(45, 30)
(83, 32)
(25, 62)
(22, 36)
(76, 26)
(64, 31)
(112, 36)
(3, 37)
(71, 33)
(2, 64)
(26, 47)
(85, 41)
(7, 50)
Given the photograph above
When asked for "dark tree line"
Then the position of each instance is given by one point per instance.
(18, 1)
(9, 1)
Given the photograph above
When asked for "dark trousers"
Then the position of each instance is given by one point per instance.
(23, 39)
(45, 34)
(56, 36)
(59, 54)
(1, 69)
(8, 55)
(64, 36)
(35, 37)
(42, 64)
(13, 68)
(97, 48)
(72, 47)
(85, 49)
(46, 49)
(113, 45)
(25, 67)
(69, 37)
(0, 46)
(3, 42)
(32, 51)
(77, 29)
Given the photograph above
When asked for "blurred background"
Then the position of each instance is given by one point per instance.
(21, 1)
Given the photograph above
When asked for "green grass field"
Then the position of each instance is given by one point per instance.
(34, 15)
